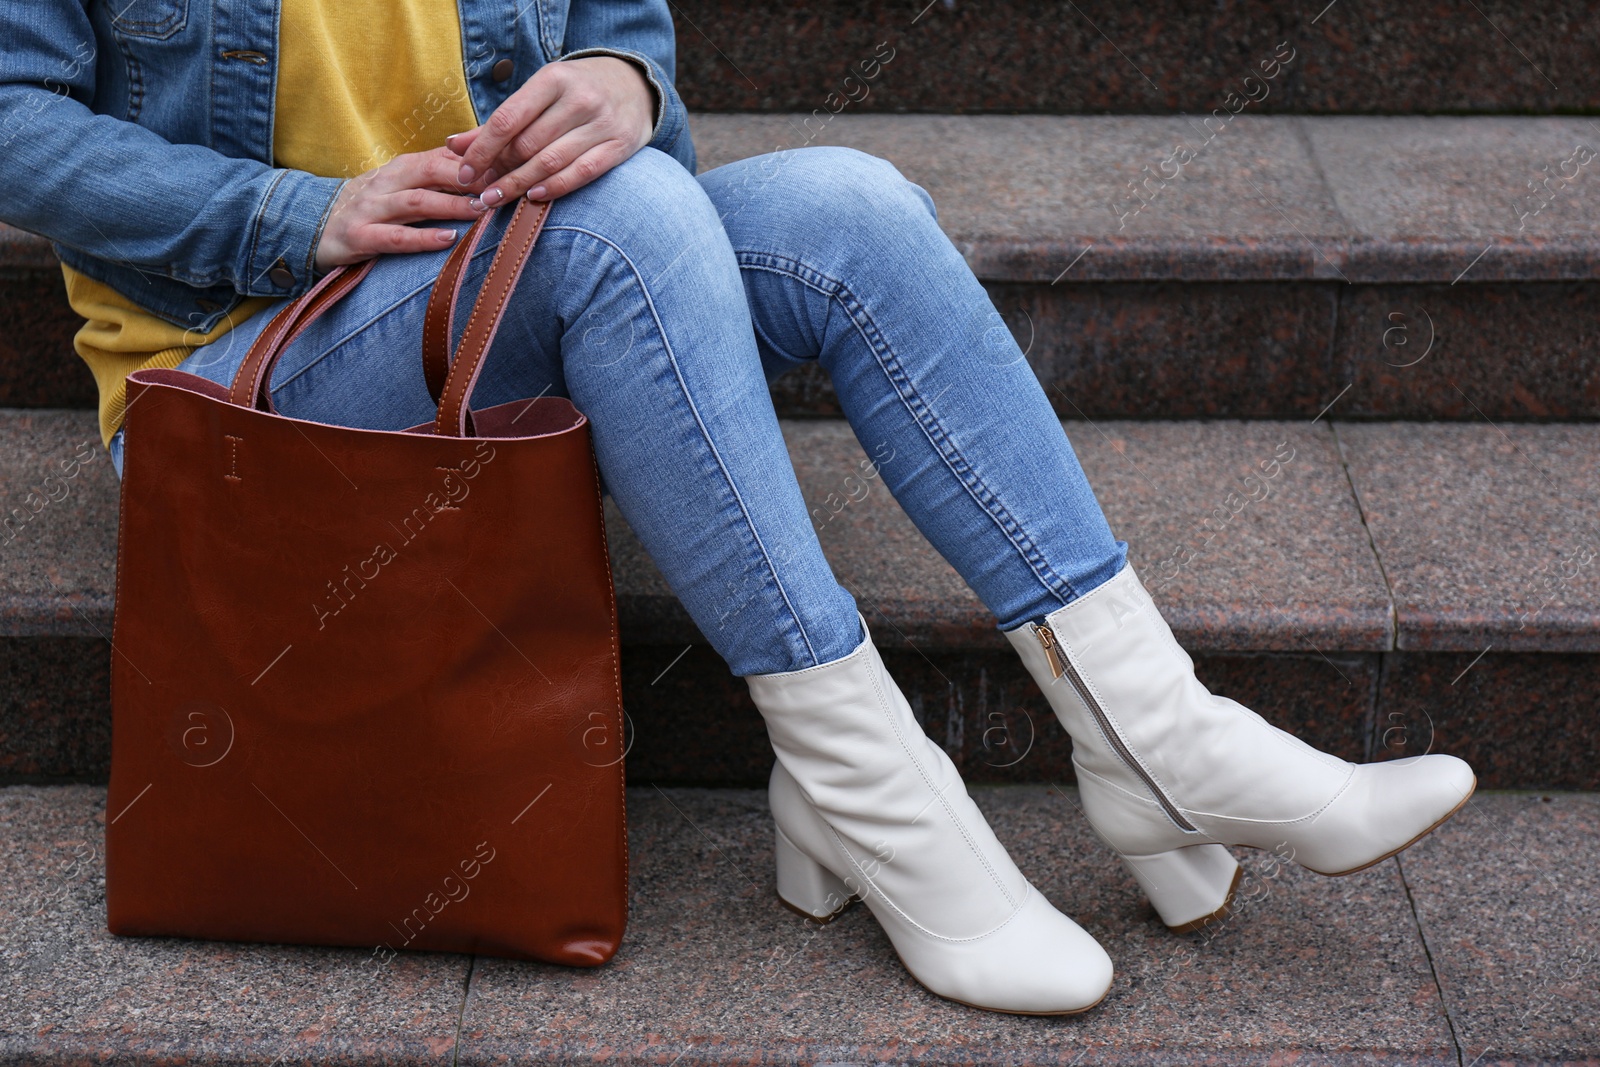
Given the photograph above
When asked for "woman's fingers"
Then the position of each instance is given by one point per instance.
(561, 119)
(420, 205)
(433, 169)
(581, 171)
(570, 123)
(370, 213)
(574, 149)
(513, 116)
(460, 142)
(387, 239)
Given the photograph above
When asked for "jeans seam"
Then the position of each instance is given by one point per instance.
(930, 425)
(705, 436)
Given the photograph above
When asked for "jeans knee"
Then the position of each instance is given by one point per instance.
(644, 224)
(648, 197)
(793, 198)
(858, 189)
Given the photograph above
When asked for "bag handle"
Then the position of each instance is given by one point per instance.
(439, 323)
(527, 221)
(250, 388)
(450, 381)
(301, 312)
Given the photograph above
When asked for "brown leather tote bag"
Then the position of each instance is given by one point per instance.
(365, 684)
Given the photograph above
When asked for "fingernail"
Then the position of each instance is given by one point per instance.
(491, 197)
(447, 237)
(466, 175)
(536, 193)
(477, 205)
(490, 175)
(453, 136)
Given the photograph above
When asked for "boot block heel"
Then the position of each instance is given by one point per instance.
(806, 887)
(1189, 887)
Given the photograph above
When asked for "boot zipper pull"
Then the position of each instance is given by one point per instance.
(1052, 651)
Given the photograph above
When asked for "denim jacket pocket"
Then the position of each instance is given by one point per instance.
(155, 19)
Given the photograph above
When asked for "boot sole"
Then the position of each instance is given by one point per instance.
(822, 920)
(1007, 1011)
(853, 901)
(1395, 852)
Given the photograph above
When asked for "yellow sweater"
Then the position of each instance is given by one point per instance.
(359, 82)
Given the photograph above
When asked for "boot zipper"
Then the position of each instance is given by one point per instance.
(1061, 667)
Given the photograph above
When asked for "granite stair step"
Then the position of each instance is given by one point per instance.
(1475, 946)
(1381, 588)
(1160, 56)
(1290, 258)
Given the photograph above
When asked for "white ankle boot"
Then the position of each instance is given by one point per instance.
(867, 807)
(1169, 773)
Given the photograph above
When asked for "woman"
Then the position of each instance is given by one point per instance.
(196, 161)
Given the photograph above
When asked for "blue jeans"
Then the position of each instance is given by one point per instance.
(662, 304)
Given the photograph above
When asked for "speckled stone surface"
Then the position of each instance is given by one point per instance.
(1260, 350)
(1169, 350)
(1498, 904)
(1489, 532)
(58, 525)
(1523, 720)
(1414, 188)
(1168, 56)
(714, 971)
(1036, 198)
(1244, 532)
(55, 708)
(1440, 351)
(71, 993)
(1508, 895)
(38, 367)
(21, 250)
(1022, 196)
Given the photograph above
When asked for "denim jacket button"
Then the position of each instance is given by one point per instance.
(281, 276)
(503, 70)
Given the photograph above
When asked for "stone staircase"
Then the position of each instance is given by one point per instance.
(1395, 310)
(1422, 570)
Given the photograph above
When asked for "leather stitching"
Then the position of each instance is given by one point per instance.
(438, 321)
(907, 919)
(616, 665)
(884, 707)
(452, 411)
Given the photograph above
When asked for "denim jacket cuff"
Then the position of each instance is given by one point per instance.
(671, 119)
(281, 253)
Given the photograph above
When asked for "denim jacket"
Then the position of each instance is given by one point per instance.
(137, 134)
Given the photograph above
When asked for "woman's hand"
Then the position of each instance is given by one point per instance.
(568, 124)
(370, 215)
